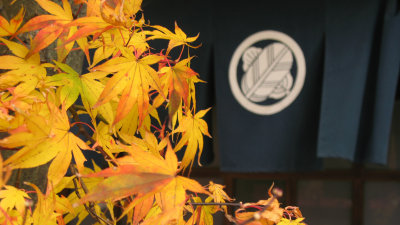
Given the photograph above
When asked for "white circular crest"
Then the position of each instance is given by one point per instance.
(267, 72)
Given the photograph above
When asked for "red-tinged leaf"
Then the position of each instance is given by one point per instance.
(176, 81)
(83, 32)
(8, 29)
(202, 215)
(44, 38)
(38, 22)
(120, 170)
(16, 21)
(150, 162)
(62, 48)
(120, 186)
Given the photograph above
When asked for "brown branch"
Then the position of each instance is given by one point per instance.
(28, 203)
(18, 179)
(78, 11)
(82, 130)
(89, 208)
(216, 203)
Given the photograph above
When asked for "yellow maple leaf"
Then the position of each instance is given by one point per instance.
(218, 194)
(297, 221)
(133, 79)
(23, 73)
(175, 39)
(12, 197)
(10, 28)
(47, 137)
(192, 128)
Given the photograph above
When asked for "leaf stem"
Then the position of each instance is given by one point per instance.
(180, 55)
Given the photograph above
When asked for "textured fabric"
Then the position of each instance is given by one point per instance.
(284, 141)
(359, 81)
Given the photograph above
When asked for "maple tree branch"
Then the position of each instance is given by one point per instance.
(216, 203)
(89, 208)
(28, 203)
(78, 11)
(82, 130)
(18, 179)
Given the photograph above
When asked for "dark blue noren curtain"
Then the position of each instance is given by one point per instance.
(282, 141)
(361, 69)
(344, 109)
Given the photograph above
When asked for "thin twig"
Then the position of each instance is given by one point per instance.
(78, 11)
(82, 130)
(90, 208)
(216, 203)
(18, 179)
(28, 203)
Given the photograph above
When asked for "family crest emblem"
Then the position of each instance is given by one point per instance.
(267, 72)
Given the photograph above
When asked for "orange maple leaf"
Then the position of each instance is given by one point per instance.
(10, 28)
(133, 78)
(52, 27)
(175, 81)
(105, 15)
(145, 174)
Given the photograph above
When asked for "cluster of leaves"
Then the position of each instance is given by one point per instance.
(126, 88)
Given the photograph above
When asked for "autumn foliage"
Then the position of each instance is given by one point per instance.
(128, 86)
